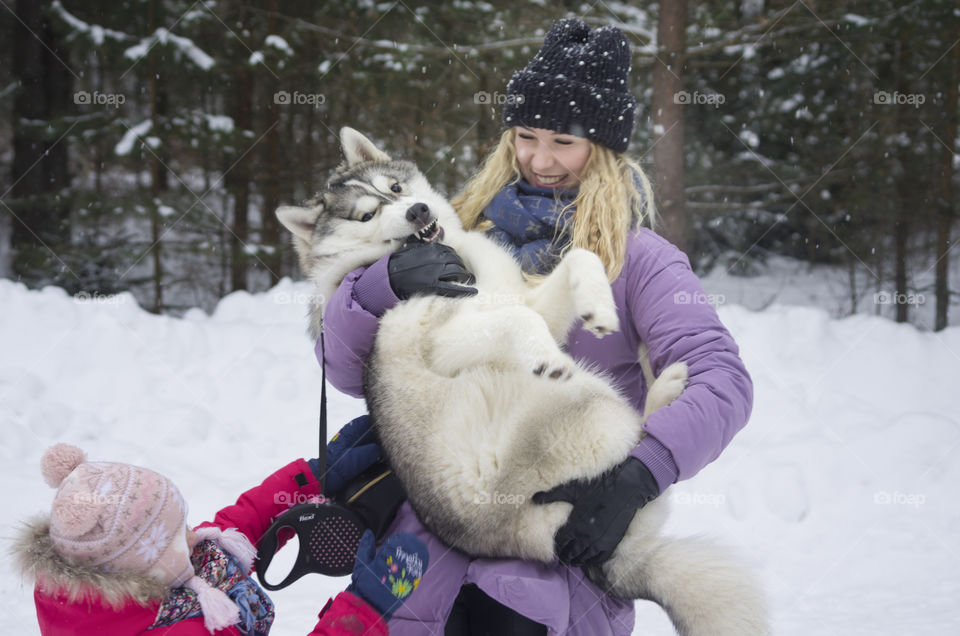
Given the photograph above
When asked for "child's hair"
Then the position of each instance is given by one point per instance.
(614, 197)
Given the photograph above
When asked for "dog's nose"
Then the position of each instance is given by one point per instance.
(418, 213)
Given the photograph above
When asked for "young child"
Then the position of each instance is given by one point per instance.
(115, 557)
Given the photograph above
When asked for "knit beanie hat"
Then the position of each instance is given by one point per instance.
(576, 84)
(126, 519)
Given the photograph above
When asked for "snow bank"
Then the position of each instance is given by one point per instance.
(840, 490)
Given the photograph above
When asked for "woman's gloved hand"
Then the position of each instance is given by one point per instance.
(429, 268)
(602, 509)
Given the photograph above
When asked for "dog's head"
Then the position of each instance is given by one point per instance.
(371, 205)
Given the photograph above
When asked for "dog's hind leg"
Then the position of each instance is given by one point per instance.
(663, 389)
(500, 336)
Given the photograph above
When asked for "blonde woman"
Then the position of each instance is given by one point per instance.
(558, 179)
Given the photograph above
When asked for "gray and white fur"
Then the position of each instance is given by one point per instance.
(478, 408)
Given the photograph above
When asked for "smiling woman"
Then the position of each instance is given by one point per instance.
(550, 159)
(559, 179)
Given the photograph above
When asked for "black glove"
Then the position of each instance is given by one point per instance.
(602, 509)
(428, 268)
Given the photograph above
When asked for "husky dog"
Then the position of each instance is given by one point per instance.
(478, 408)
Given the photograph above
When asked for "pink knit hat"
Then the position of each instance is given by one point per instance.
(123, 518)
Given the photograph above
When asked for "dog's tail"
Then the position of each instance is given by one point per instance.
(705, 590)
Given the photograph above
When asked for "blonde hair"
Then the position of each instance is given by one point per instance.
(614, 197)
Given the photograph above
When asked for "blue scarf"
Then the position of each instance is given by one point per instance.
(528, 221)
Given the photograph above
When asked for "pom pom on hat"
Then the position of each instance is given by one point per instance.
(59, 461)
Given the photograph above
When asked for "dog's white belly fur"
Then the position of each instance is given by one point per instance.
(500, 433)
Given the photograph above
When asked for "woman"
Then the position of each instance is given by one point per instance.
(559, 179)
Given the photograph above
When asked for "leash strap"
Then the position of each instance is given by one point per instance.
(322, 454)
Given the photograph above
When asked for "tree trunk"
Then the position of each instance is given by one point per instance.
(668, 121)
(945, 211)
(238, 180)
(905, 202)
(156, 224)
(269, 225)
(40, 227)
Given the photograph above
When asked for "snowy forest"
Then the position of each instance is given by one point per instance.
(147, 143)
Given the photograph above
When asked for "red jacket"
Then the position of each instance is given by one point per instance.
(253, 513)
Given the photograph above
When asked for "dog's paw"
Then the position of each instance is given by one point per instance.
(600, 320)
(667, 387)
(553, 369)
(591, 293)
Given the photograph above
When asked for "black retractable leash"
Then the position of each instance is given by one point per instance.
(329, 531)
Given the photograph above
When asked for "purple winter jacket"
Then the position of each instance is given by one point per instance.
(660, 303)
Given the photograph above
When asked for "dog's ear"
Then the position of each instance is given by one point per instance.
(300, 221)
(358, 149)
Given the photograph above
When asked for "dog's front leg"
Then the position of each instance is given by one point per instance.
(577, 288)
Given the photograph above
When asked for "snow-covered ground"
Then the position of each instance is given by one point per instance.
(841, 490)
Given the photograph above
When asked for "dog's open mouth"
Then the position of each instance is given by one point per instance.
(429, 233)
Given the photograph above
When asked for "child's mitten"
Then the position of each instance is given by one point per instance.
(384, 578)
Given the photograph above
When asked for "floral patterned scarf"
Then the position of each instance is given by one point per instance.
(221, 570)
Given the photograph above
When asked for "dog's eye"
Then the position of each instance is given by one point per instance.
(396, 187)
(366, 217)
